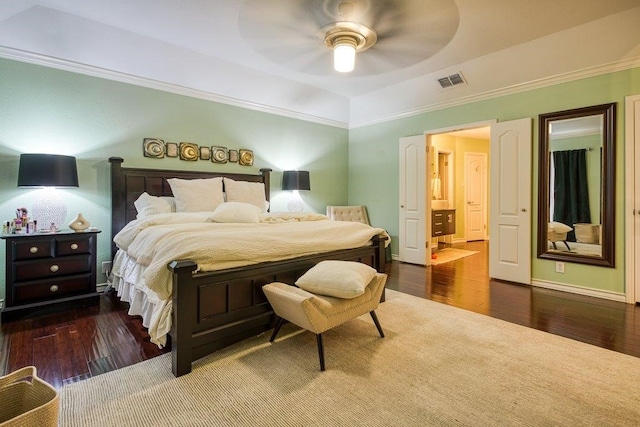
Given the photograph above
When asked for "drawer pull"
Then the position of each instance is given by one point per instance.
(74, 246)
(54, 268)
(33, 249)
(54, 288)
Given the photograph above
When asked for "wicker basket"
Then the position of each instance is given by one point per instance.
(27, 400)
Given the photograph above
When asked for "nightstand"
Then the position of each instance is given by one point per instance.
(47, 271)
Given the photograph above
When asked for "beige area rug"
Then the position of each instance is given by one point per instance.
(450, 254)
(438, 365)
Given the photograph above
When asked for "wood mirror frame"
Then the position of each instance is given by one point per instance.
(607, 187)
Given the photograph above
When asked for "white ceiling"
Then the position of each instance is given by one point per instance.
(269, 54)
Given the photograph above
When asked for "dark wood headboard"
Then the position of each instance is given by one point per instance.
(127, 184)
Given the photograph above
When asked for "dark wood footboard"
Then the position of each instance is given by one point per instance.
(216, 309)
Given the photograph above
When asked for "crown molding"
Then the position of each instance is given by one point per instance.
(509, 90)
(76, 67)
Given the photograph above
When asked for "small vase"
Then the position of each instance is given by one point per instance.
(79, 223)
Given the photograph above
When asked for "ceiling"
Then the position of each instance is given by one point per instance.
(270, 55)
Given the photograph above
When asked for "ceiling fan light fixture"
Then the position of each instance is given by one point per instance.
(344, 54)
(345, 39)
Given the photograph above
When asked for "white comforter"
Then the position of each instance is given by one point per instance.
(157, 240)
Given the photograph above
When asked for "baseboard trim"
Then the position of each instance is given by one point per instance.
(100, 287)
(597, 293)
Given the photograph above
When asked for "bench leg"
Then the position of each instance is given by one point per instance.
(320, 351)
(277, 329)
(375, 320)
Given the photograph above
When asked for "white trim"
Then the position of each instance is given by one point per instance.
(463, 126)
(76, 67)
(509, 90)
(609, 295)
(100, 287)
(629, 205)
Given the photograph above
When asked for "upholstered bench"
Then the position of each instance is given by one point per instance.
(329, 294)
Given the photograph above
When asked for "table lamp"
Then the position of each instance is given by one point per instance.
(48, 171)
(295, 181)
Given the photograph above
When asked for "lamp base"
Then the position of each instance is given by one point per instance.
(48, 209)
(295, 203)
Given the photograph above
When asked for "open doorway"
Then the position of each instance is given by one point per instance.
(432, 189)
(459, 184)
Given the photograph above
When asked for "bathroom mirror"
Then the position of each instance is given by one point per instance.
(576, 186)
(442, 178)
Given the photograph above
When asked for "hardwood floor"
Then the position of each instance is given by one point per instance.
(72, 345)
(76, 344)
(465, 283)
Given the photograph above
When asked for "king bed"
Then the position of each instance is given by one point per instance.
(195, 275)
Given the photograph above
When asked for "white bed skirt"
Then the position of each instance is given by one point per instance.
(126, 279)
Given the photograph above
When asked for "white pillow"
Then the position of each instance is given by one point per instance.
(340, 279)
(236, 212)
(171, 201)
(196, 195)
(246, 192)
(559, 227)
(150, 205)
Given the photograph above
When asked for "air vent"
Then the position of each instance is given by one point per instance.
(452, 80)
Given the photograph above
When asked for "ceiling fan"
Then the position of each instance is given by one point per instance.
(304, 35)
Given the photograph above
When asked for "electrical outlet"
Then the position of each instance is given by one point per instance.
(559, 267)
(106, 267)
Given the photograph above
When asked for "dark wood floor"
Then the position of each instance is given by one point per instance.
(80, 343)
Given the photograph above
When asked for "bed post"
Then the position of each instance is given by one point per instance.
(118, 199)
(185, 307)
(380, 255)
(266, 179)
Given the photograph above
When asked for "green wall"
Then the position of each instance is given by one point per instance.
(53, 111)
(373, 160)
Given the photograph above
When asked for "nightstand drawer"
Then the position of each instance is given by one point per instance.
(32, 249)
(26, 270)
(75, 245)
(44, 290)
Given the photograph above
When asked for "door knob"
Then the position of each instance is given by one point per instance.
(523, 210)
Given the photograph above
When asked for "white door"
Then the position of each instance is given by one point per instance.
(413, 227)
(475, 186)
(632, 188)
(510, 222)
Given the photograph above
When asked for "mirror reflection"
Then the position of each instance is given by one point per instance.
(575, 147)
(576, 185)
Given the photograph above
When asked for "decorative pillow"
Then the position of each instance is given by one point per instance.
(197, 195)
(236, 212)
(559, 227)
(246, 192)
(340, 279)
(150, 205)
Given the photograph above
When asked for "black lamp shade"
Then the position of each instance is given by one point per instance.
(47, 170)
(296, 180)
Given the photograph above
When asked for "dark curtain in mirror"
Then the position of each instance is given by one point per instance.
(571, 194)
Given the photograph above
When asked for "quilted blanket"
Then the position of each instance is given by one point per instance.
(158, 240)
